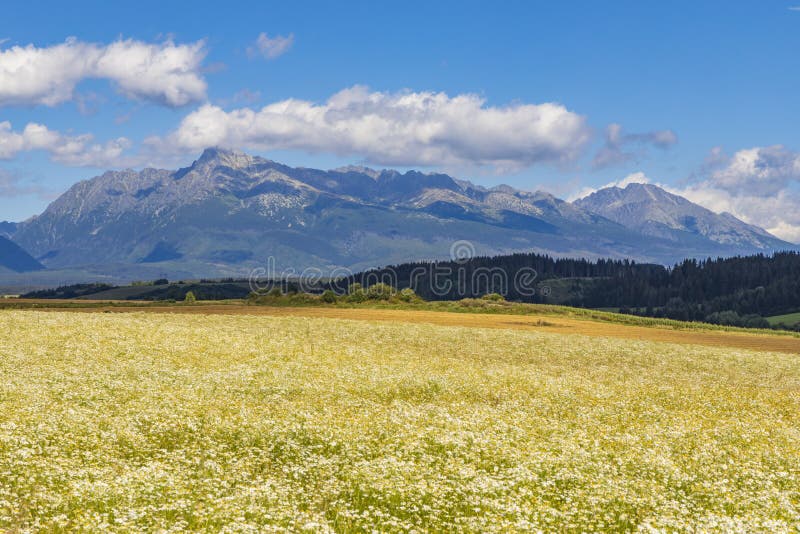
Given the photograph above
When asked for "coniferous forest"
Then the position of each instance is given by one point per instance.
(738, 291)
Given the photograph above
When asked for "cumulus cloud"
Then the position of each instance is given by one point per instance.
(758, 172)
(406, 128)
(166, 72)
(777, 214)
(270, 47)
(78, 151)
(759, 185)
(614, 150)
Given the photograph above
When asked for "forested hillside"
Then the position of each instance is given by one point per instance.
(740, 290)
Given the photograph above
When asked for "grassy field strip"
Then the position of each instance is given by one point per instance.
(544, 323)
(482, 306)
(145, 421)
(555, 324)
(788, 319)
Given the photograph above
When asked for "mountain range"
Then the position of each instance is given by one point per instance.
(228, 212)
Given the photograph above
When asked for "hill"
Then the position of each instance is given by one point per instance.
(739, 291)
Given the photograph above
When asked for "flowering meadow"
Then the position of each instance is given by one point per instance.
(143, 421)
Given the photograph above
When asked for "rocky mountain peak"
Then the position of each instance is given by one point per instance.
(358, 169)
(503, 188)
(650, 209)
(216, 156)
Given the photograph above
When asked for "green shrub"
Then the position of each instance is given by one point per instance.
(190, 298)
(754, 321)
(356, 293)
(380, 292)
(494, 297)
(473, 303)
(354, 287)
(408, 295)
(302, 298)
(328, 296)
(357, 296)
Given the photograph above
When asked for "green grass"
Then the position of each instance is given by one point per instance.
(122, 293)
(788, 319)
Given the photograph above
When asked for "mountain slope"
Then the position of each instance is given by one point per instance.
(14, 258)
(655, 212)
(229, 212)
(7, 229)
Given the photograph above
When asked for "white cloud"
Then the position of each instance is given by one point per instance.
(406, 128)
(271, 47)
(758, 185)
(777, 214)
(614, 151)
(165, 72)
(759, 172)
(785, 230)
(78, 151)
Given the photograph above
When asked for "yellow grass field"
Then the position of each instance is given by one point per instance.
(242, 423)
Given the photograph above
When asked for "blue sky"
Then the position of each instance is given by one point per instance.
(704, 94)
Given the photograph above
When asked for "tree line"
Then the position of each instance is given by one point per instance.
(738, 290)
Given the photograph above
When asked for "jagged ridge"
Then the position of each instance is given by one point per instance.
(229, 211)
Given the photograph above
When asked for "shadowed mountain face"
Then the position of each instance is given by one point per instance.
(655, 212)
(228, 212)
(7, 228)
(14, 258)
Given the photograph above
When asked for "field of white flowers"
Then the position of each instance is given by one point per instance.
(131, 422)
